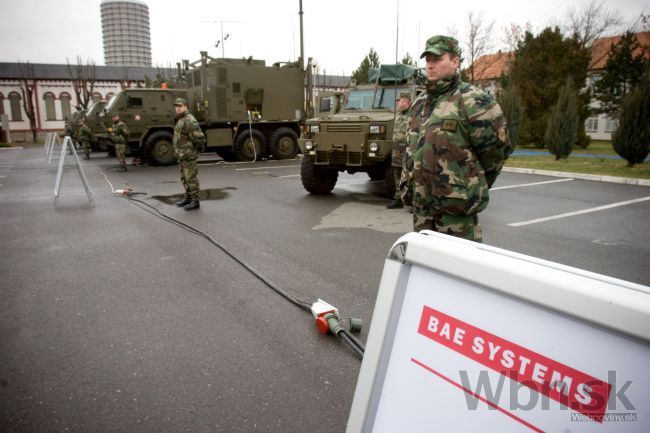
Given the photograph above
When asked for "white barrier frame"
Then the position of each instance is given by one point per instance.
(77, 163)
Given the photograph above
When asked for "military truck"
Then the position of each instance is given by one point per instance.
(247, 110)
(94, 118)
(359, 137)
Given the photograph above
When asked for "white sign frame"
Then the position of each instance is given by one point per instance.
(583, 303)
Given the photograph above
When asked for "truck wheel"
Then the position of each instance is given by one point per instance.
(159, 149)
(317, 179)
(390, 181)
(248, 150)
(284, 143)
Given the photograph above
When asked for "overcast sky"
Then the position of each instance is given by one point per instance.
(338, 33)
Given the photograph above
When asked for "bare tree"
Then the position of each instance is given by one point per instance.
(83, 80)
(27, 84)
(514, 34)
(592, 22)
(479, 43)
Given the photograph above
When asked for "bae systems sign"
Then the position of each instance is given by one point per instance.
(490, 340)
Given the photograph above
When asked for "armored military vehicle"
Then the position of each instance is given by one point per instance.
(247, 110)
(359, 137)
(149, 115)
(94, 118)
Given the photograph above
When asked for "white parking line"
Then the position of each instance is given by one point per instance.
(579, 212)
(291, 175)
(530, 184)
(267, 167)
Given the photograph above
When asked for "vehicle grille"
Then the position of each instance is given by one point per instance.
(344, 127)
(340, 158)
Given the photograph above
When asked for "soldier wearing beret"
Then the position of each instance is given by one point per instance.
(459, 142)
(399, 144)
(188, 141)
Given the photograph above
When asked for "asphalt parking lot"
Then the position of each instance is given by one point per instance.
(114, 319)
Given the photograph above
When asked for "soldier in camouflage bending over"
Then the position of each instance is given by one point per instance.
(458, 138)
(188, 141)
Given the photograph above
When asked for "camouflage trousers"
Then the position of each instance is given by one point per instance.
(189, 178)
(397, 175)
(120, 151)
(461, 226)
(86, 146)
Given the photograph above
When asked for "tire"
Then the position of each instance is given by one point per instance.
(317, 179)
(159, 149)
(111, 150)
(244, 147)
(284, 143)
(390, 181)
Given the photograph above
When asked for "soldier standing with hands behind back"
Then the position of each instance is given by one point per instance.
(188, 141)
(458, 136)
(120, 136)
(399, 144)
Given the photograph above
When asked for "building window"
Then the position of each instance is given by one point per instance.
(109, 95)
(50, 112)
(96, 97)
(16, 110)
(591, 124)
(2, 103)
(66, 112)
(611, 125)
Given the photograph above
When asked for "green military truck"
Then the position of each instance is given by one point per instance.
(359, 137)
(247, 110)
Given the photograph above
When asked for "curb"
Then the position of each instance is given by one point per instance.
(592, 177)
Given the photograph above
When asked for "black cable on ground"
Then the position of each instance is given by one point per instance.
(346, 338)
(354, 340)
(298, 302)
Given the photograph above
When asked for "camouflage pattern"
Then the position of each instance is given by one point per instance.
(457, 136)
(188, 140)
(438, 45)
(120, 136)
(86, 136)
(400, 129)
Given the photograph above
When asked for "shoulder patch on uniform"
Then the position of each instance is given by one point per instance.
(449, 125)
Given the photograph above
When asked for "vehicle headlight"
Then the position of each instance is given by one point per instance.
(309, 145)
(374, 147)
(314, 128)
(374, 129)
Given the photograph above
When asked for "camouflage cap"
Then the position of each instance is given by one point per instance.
(180, 101)
(401, 95)
(438, 45)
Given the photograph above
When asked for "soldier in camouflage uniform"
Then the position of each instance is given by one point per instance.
(399, 144)
(188, 141)
(458, 138)
(85, 136)
(120, 136)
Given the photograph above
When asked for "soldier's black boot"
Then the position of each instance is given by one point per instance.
(397, 204)
(183, 202)
(194, 204)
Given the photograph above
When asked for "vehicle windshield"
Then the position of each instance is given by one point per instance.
(362, 99)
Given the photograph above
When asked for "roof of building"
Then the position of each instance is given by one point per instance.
(490, 66)
(44, 71)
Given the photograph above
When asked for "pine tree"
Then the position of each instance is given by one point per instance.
(408, 60)
(370, 61)
(623, 72)
(540, 67)
(513, 109)
(632, 138)
(562, 129)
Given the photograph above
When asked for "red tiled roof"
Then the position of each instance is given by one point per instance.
(490, 66)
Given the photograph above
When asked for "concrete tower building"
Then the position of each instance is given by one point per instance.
(125, 29)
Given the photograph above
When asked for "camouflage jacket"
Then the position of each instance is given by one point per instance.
(70, 130)
(85, 133)
(399, 137)
(120, 133)
(459, 143)
(188, 137)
